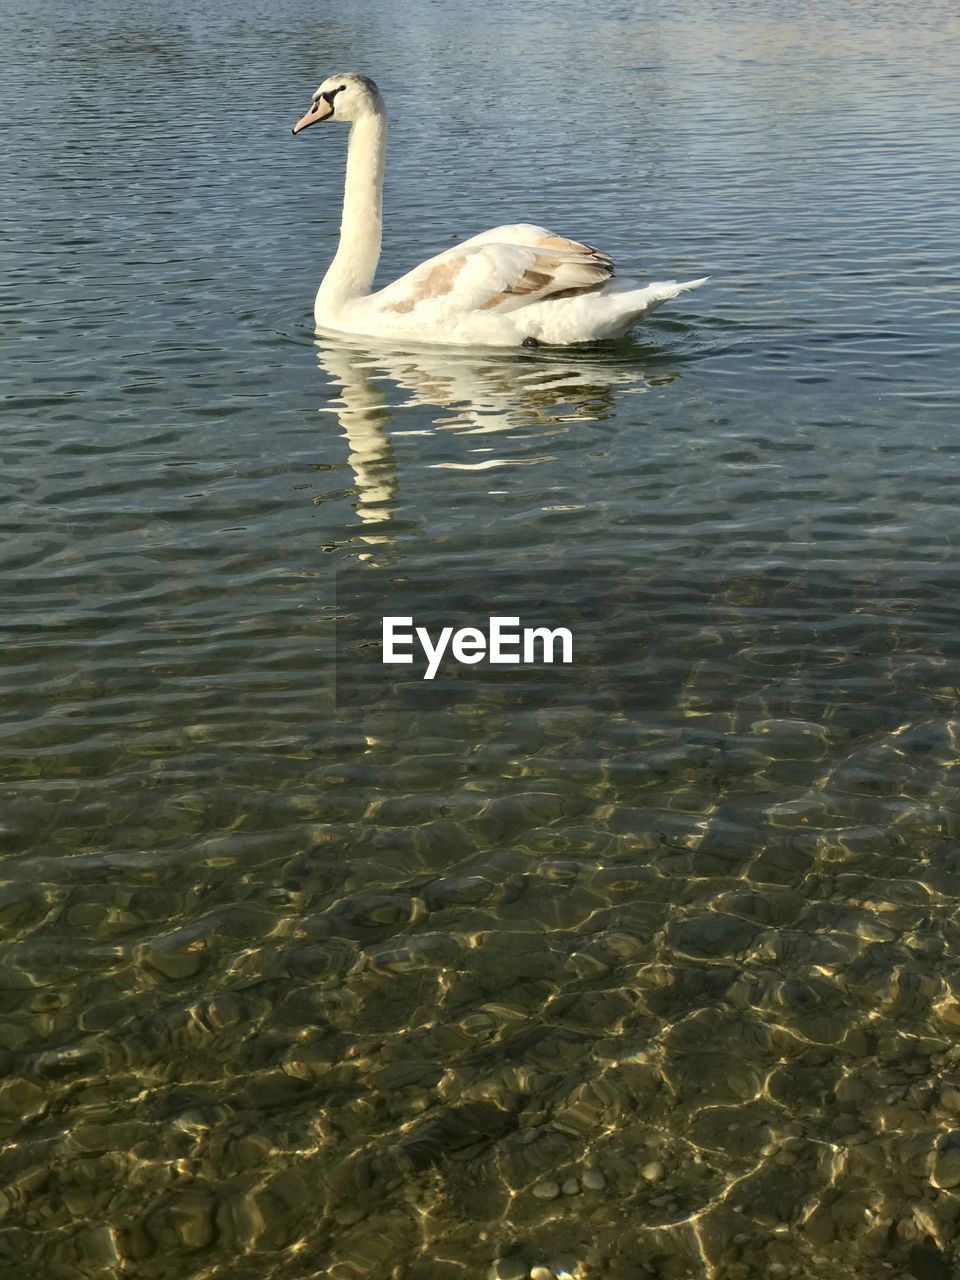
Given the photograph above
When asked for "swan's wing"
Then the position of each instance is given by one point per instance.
(524, 233)
(493, 271)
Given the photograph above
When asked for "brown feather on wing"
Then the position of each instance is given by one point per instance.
(560, 268)
(433, 283)
(569, 246)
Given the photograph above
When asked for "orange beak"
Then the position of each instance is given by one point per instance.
(319, 111)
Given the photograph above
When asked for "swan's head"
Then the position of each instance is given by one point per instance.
(343, 97)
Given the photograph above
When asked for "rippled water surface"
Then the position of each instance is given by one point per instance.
(650, 972)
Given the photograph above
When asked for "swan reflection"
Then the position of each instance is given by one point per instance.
(474, 391)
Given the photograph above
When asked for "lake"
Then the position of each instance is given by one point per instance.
(642, 968)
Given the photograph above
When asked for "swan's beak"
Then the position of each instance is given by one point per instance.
(319, 111)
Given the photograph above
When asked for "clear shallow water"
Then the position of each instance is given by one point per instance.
(295, 991)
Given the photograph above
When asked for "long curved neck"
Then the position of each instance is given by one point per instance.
(351, 273)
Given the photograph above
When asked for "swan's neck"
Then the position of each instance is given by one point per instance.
(351, 273)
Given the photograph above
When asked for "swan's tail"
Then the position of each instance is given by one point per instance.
(668, 289)
(634, 304)
(663, 290)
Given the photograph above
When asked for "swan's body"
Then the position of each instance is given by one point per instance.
(512, 285)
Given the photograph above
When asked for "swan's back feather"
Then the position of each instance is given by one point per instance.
(501, 269)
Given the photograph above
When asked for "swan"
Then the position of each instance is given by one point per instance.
(513, 285)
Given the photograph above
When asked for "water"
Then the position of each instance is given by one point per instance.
(645, 973)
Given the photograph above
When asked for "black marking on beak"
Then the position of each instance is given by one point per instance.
(328, 97)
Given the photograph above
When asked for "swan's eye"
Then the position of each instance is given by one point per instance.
(341, 89)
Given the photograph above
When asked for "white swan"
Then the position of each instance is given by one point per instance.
(513, 285)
